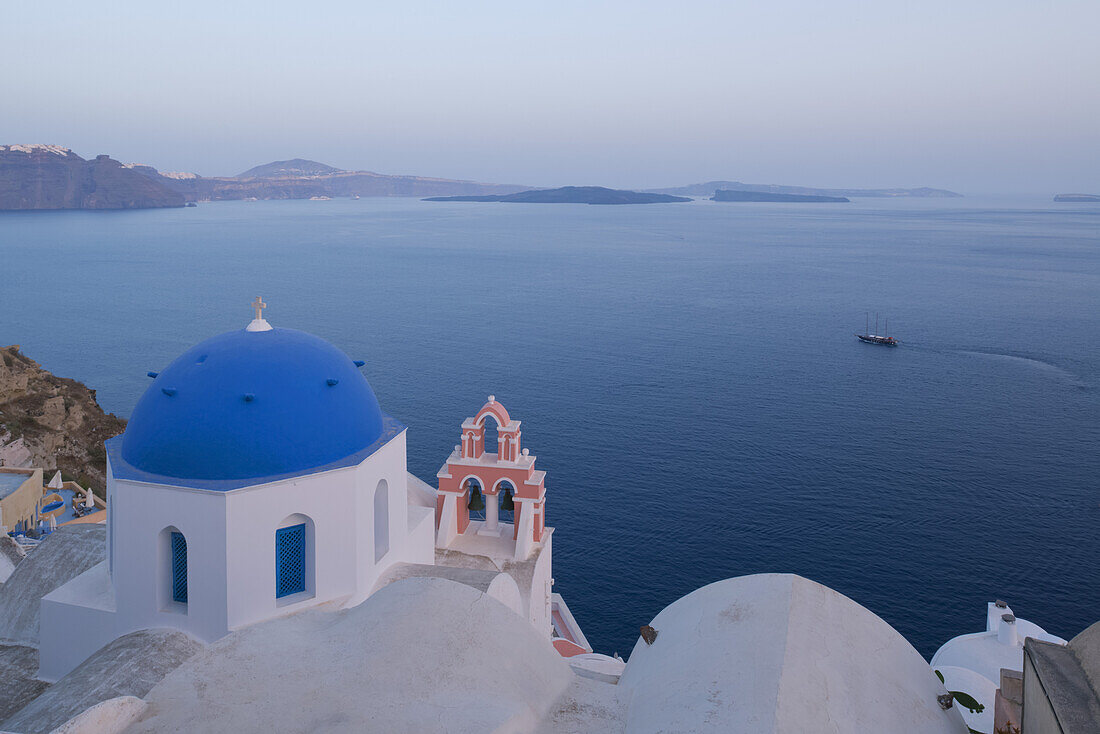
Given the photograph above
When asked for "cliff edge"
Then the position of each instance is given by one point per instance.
(58, 419)
(52, 177)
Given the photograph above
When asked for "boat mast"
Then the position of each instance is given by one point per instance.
(876, 324)
(887, 332)
(867, 325)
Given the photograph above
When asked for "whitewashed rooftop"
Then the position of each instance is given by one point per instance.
(780, 653)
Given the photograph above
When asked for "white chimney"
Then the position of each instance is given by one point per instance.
(994, 610)
(1006, 633)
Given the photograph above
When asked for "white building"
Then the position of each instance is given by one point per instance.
(972, 664)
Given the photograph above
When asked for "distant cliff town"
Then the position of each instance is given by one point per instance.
(52, 177)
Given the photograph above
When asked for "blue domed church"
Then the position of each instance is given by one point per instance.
(257, 476)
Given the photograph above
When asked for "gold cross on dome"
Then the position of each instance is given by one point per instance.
(259, 307)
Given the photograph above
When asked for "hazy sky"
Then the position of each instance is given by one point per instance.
(973, 95)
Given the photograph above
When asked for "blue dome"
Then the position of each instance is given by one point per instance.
(252, 404)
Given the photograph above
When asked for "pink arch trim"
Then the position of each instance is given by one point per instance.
(496, 410)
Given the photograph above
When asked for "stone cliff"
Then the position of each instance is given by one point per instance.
(59, 420)
(52, 177)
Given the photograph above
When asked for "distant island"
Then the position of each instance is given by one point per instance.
(722, 195)
(710, 187)
(294, 168)
(571, 195)
(1078, 198)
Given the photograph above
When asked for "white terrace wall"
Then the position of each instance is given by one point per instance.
(538, 605)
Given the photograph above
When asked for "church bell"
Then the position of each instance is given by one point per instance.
(506, 502)
(477, 504)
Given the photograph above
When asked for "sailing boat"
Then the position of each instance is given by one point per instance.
(884, 340)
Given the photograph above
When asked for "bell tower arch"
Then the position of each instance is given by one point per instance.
(473, 470)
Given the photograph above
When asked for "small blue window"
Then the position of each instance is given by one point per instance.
(179, 568)
(290, 560)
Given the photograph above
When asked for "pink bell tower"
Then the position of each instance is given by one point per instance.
(509, 465)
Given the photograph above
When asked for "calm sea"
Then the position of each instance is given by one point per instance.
(686, 374)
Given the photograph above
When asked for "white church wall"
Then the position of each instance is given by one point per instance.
(231, 576)
(80, 617)
(341, 534)
(323, 502)
(141, 570)
(388, 465)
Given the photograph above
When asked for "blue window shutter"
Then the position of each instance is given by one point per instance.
(290, 560)
(179, 568)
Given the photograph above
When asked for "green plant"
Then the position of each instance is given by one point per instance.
(965, 700)
(968, 702)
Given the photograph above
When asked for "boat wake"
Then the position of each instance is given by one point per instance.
(1054, 370)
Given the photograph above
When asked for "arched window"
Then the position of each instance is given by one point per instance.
(172, 578)
(381, 520)
(179, 567)
(475, 497)
(290, 560)
(294, 558)
(492, 433)
(506, 496)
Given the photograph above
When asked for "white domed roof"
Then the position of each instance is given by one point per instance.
(780, 653)
(987, 652)
(420, 655)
